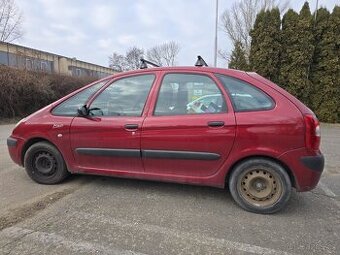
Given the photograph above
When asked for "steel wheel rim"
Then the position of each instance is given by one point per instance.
(44, 163)
(260, 187)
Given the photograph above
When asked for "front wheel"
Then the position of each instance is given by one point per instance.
(260, 186)
(44, 164)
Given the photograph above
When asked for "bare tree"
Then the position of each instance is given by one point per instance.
(127, 62)
(223, 55)
(239, 20)
(132, 58)
(164, 54)
(10, 21)
(117, 62)
(154, 55)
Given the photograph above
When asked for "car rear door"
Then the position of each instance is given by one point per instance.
(109, 139)
(185, 138)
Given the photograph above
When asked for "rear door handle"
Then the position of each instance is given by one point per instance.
(216, 123)
(131, 126)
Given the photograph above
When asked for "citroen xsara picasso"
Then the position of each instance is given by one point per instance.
(196, 125)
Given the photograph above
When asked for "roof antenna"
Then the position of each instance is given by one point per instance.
(200, 62)
(144, 63)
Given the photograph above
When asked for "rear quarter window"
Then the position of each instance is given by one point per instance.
(244, 96)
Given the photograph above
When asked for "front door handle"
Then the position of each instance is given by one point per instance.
(131, 126)
(216, 123)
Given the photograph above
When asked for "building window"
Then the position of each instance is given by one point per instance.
(43, 66)
(29, 64)
(78, 72)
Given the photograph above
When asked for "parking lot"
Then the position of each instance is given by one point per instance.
(102, 215)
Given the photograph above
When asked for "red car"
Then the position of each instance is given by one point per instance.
(196, 125)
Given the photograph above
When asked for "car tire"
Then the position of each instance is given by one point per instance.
(44, 164)
(260, 185)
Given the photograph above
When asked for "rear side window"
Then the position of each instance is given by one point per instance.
(244, 96)
(70, 106)
(186, 94)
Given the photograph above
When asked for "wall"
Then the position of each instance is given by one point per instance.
(31, 59)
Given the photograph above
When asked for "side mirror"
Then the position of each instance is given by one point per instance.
(83, 111)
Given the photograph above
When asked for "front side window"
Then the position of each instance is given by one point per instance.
(71, 105)
(125, 97)
(244, 96)
(182, 94)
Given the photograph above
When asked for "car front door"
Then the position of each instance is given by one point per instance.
(109, 138)
(185, 134)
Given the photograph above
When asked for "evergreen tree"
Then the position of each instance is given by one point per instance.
(325, 70)
(266, 43)
(297, 53)
(238, 58)
(289, 48)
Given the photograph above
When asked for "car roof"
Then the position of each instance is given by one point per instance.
(231, 72)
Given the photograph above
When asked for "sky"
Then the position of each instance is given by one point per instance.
(90, 30)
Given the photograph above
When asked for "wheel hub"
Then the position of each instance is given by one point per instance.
(260, 187)
(45, 163)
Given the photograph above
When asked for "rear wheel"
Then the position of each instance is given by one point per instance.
(260, 186)
(44, 164)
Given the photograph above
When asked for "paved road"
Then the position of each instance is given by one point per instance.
(100, 215)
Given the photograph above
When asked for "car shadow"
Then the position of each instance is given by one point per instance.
(164, 188)
(299, 204)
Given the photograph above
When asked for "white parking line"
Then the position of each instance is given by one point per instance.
(329, 193)
(45, 238)
(61, 241)
(325, 189)
(169, 234)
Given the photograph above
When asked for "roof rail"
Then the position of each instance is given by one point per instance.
(144, 63)
(200, 62)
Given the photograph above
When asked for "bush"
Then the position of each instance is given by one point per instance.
(23, 92)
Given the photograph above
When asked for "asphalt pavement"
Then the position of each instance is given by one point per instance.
(103, 215)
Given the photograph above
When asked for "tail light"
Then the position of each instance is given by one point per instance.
(313, 132)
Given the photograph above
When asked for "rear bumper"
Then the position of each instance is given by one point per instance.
(14, 148)
(305, 166)
(314, 163)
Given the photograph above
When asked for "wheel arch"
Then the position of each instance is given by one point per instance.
(29, 143)
(239, 161)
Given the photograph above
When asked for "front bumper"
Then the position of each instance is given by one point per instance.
(12, 142)
(14, 148)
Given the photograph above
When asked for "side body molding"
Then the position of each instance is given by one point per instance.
(166, 154)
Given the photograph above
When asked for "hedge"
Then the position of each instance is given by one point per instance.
(23, 92)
